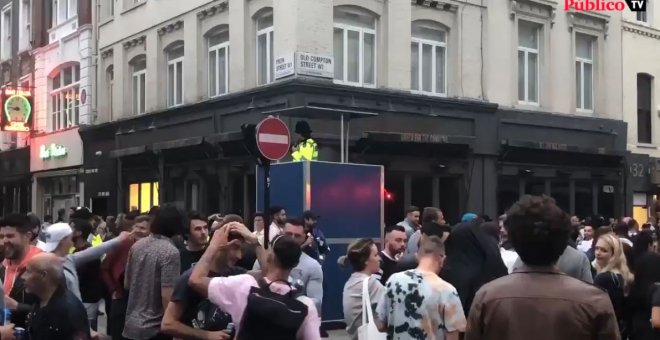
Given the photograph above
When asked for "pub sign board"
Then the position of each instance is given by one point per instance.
(16, 105)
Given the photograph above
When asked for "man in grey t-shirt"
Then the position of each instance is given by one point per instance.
(572, 262)
(152, 269)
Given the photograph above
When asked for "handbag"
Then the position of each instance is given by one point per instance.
(368, 329)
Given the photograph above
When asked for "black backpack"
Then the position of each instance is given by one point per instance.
(270, 315)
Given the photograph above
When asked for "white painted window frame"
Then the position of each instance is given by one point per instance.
(71, 7)
(527, 51)
(215, 49)
(582, 61)
(25, 25)
(60, 116)
(141, 84)
(5, 34)
(361, 30)
(175, 64)
(270, 35)
(434, 44)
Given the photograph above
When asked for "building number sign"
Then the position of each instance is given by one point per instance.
(638, 170)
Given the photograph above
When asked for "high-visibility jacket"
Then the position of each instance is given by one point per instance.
(306, 150)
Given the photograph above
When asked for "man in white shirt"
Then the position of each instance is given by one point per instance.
(277, 218)
(587, 239)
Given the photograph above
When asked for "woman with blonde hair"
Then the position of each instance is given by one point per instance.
(613, 275)
(363, 256)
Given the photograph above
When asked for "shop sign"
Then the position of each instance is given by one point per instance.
(310, 64)
(52, 151)
(284, 67)
(16, 109)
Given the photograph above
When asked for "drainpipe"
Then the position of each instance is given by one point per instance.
(96, 9)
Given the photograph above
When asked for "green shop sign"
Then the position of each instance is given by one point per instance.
(52, 151)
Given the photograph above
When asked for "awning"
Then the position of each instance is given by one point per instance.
(178, 143)
(417, 138)
(135, 150)
(550, 146)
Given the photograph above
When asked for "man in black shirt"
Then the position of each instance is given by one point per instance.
(395, 245)
(59, 314)
(191, 316)
(409, 261)
(198, 237)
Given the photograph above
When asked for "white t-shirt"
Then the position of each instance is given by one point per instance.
(585, 245)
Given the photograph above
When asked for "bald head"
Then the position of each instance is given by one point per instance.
(49, 264)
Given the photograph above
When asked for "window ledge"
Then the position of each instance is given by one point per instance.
(134, 6)
(528, 106)
(646, 146)
(640, 28)
(63, 23)
(346, 83)
(107, 20)
(430, 94)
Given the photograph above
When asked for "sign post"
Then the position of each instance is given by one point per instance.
(273, 142)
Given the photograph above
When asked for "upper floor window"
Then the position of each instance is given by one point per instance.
(25, 25)
(584, 65)
(528, 62)
(5, 33)
(428, 58)
(107, 9)
(355, 46)
(110, 83)
(63, 10)
(641, 15)
(218, 43)
(644, 121)
(64, 98)
(139, 84)
(174, 55)
(265, 58)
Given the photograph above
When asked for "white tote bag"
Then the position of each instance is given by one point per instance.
(368, 330)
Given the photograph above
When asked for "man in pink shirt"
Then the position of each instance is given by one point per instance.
(232, 293)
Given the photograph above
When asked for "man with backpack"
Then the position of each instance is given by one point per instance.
(265, 307)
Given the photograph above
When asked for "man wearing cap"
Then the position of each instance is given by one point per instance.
(315, 246)
(58, 239)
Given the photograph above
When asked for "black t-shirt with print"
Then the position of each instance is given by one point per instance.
(189, 258)
(198, 312)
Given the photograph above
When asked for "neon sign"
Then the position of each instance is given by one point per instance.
(16, 110)
(52, 151)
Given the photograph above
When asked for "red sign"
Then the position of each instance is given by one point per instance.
(16, 107)
(273, 139)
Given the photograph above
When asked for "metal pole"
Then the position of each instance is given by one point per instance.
(341, 136)
(266, 171)
(347, 144)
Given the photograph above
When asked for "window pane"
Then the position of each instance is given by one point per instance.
(139, 64)
(175, 52)
(265, 21)
(136, 95)
(528, 35)
(532, 70)
(428, 31)
(133, 196)
(521, 75)
(353, 56)
(271, 59)
(339, 53)
(143, 92)
(56, 81)
(354, 17)
(414, 66)
(76, 73)
(145, 197)
(578, 84)
(427, 67)
(170, 84)
(588, 87)
(261, 59)
(218, 38)
(179, 83)
(583, 46)
(213, 75)
(440, 70)
(67, 77)
(583, 198)
(222, 76)
(369, 58)
(155, 188)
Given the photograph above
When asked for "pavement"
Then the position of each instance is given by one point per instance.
(334, 335)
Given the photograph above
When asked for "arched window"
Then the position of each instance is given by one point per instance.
(138, 67)
(355, 46)
(218, 44)
(109, 93)
(174, 56)
(65, 98)
(265, 59)
(644, 104)
(428, 58)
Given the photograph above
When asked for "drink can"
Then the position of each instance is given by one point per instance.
(19, 333)
(6, 316)
(230, 328)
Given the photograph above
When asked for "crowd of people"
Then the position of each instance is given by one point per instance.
(536, 272)
(167, 274)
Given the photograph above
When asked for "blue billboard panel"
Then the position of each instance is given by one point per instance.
(286, 187)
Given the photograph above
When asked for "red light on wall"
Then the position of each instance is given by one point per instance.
(388, 195)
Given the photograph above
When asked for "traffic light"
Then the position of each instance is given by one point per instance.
(250, 142)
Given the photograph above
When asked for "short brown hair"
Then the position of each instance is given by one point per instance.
(142, 218)
(430, 214)
(431, 245)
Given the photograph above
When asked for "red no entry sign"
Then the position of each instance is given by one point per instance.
(273, 138)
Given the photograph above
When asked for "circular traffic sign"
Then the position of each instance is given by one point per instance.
(273, 139)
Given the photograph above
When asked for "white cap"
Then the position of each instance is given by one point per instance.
(50, 237)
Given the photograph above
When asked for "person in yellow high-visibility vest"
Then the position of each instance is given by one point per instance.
(306, 148)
